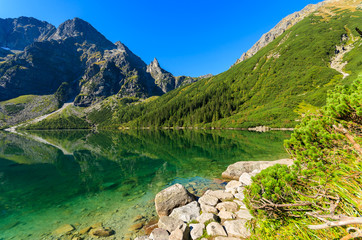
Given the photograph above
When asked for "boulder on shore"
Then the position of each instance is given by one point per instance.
(172, 197)
(215, 229)
(169, 223)
(237, 228)
(197, 230)
(186, 213)
(234, 171)
(159, 234)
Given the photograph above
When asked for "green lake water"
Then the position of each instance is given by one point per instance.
(52, 178)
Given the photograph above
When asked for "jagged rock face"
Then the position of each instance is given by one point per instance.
(40, 69)
(77, 54)
(118, 71)
(165, 80)
(17, 33)
(279, 29)
(82, 31)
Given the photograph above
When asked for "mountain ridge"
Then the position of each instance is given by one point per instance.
(73, 61)
(279, 29)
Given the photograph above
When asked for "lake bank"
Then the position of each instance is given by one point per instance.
(103, 174)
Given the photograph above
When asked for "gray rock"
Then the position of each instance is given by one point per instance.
(170, 198)
(244, 214)
(17, 33)
(237, 228)
(204, 217)
(186, 213)
(232, 186)
(239, 196)
(245, 179)
(181, 233)
(196, 230)
(224, 215)
(255, 172)
(169, 223)
(235, 170)
(215, 229)
(208, 200)
(240, 204)
(227, 206)
(209, 209)
(240, 189)
(220, 194)
(159, 234)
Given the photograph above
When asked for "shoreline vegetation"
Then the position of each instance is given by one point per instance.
(317, 197)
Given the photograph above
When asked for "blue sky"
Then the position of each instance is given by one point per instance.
(188, 37)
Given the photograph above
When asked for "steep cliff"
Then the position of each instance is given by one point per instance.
(17, 33)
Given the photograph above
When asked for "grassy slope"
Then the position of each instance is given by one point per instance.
(25, 107)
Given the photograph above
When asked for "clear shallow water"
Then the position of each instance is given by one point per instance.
(52, 178)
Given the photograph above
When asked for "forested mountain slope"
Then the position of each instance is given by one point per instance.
(284, 80)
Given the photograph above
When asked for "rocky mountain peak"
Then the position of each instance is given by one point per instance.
(17, 33)
(155, 63)
(82, 30)
(155, 68)
(280, 28)
(121, 46)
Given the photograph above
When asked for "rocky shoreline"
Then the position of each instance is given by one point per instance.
(219, 214)
(185, 212)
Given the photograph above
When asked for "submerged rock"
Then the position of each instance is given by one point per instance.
(170, 198)
(84, 230)
(101, 232)
(64, 229)
(136, 227)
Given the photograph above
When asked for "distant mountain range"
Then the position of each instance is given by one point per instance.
(37, 58)
(284, 76)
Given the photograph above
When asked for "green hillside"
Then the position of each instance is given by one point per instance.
(324, 184)
(283, 81)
